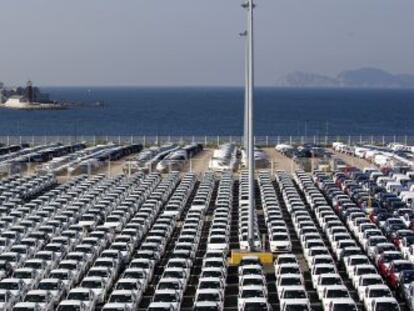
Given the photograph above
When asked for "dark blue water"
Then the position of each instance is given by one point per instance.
(218, 111)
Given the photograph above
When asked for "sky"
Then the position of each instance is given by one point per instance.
(196, 43)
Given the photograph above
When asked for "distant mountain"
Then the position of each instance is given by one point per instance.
(358, 78)
(302, 79)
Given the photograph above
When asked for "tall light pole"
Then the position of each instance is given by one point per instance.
(249, 5)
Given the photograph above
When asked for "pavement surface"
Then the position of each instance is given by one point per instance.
(280, 162)
(199, 164)
(352, 160)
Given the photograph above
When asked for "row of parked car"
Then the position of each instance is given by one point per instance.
(277, 229)
(47, 225)
(170, 289)
(20, 158)
(244, 215)
(210, 292)
(385, 237)
(316, 253)
(15, 190)
(219, 233)
(104, 277)
(364, 276)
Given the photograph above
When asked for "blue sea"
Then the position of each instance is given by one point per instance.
(218, 111)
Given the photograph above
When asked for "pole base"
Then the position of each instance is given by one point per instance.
(266, 258)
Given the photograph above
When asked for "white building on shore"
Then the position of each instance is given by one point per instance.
(30, 98)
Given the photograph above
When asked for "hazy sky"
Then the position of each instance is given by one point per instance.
(193, 42)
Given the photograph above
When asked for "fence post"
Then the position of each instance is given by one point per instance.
(267, 141)
(383, 140)
(144, 141)
(406, 140)
(33, 140)
(290, 140)
(205, 140)
(218, 141)
(94, 140)
(278, 140)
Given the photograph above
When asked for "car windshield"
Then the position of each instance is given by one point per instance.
(168, 285)
(59, 275)
(165, 297)
(35, 298)
(252, 281)
(68, 266)
(209, 284)
(69, 308)
(206, 308)
(82, 296)
(91, 284)
(174, 274)
(44, 256)
(213, 274)
(143, 265)
(8, 258)
(295, 307)
(371, 281)
(359, 261)
(280, 237)
(368, 270)
(385, 306)
(338, 293)
(23, 275)
(380, 293)
(9, 285)
(286, 270)
(134, 275)
(256, 306)
(294, 294)
(323, 270)
(286, 260)
(121, 298)
(344, 307)
(48, 286)
(208, 297)
(127, 285)
(100, 273)
(403, 266)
